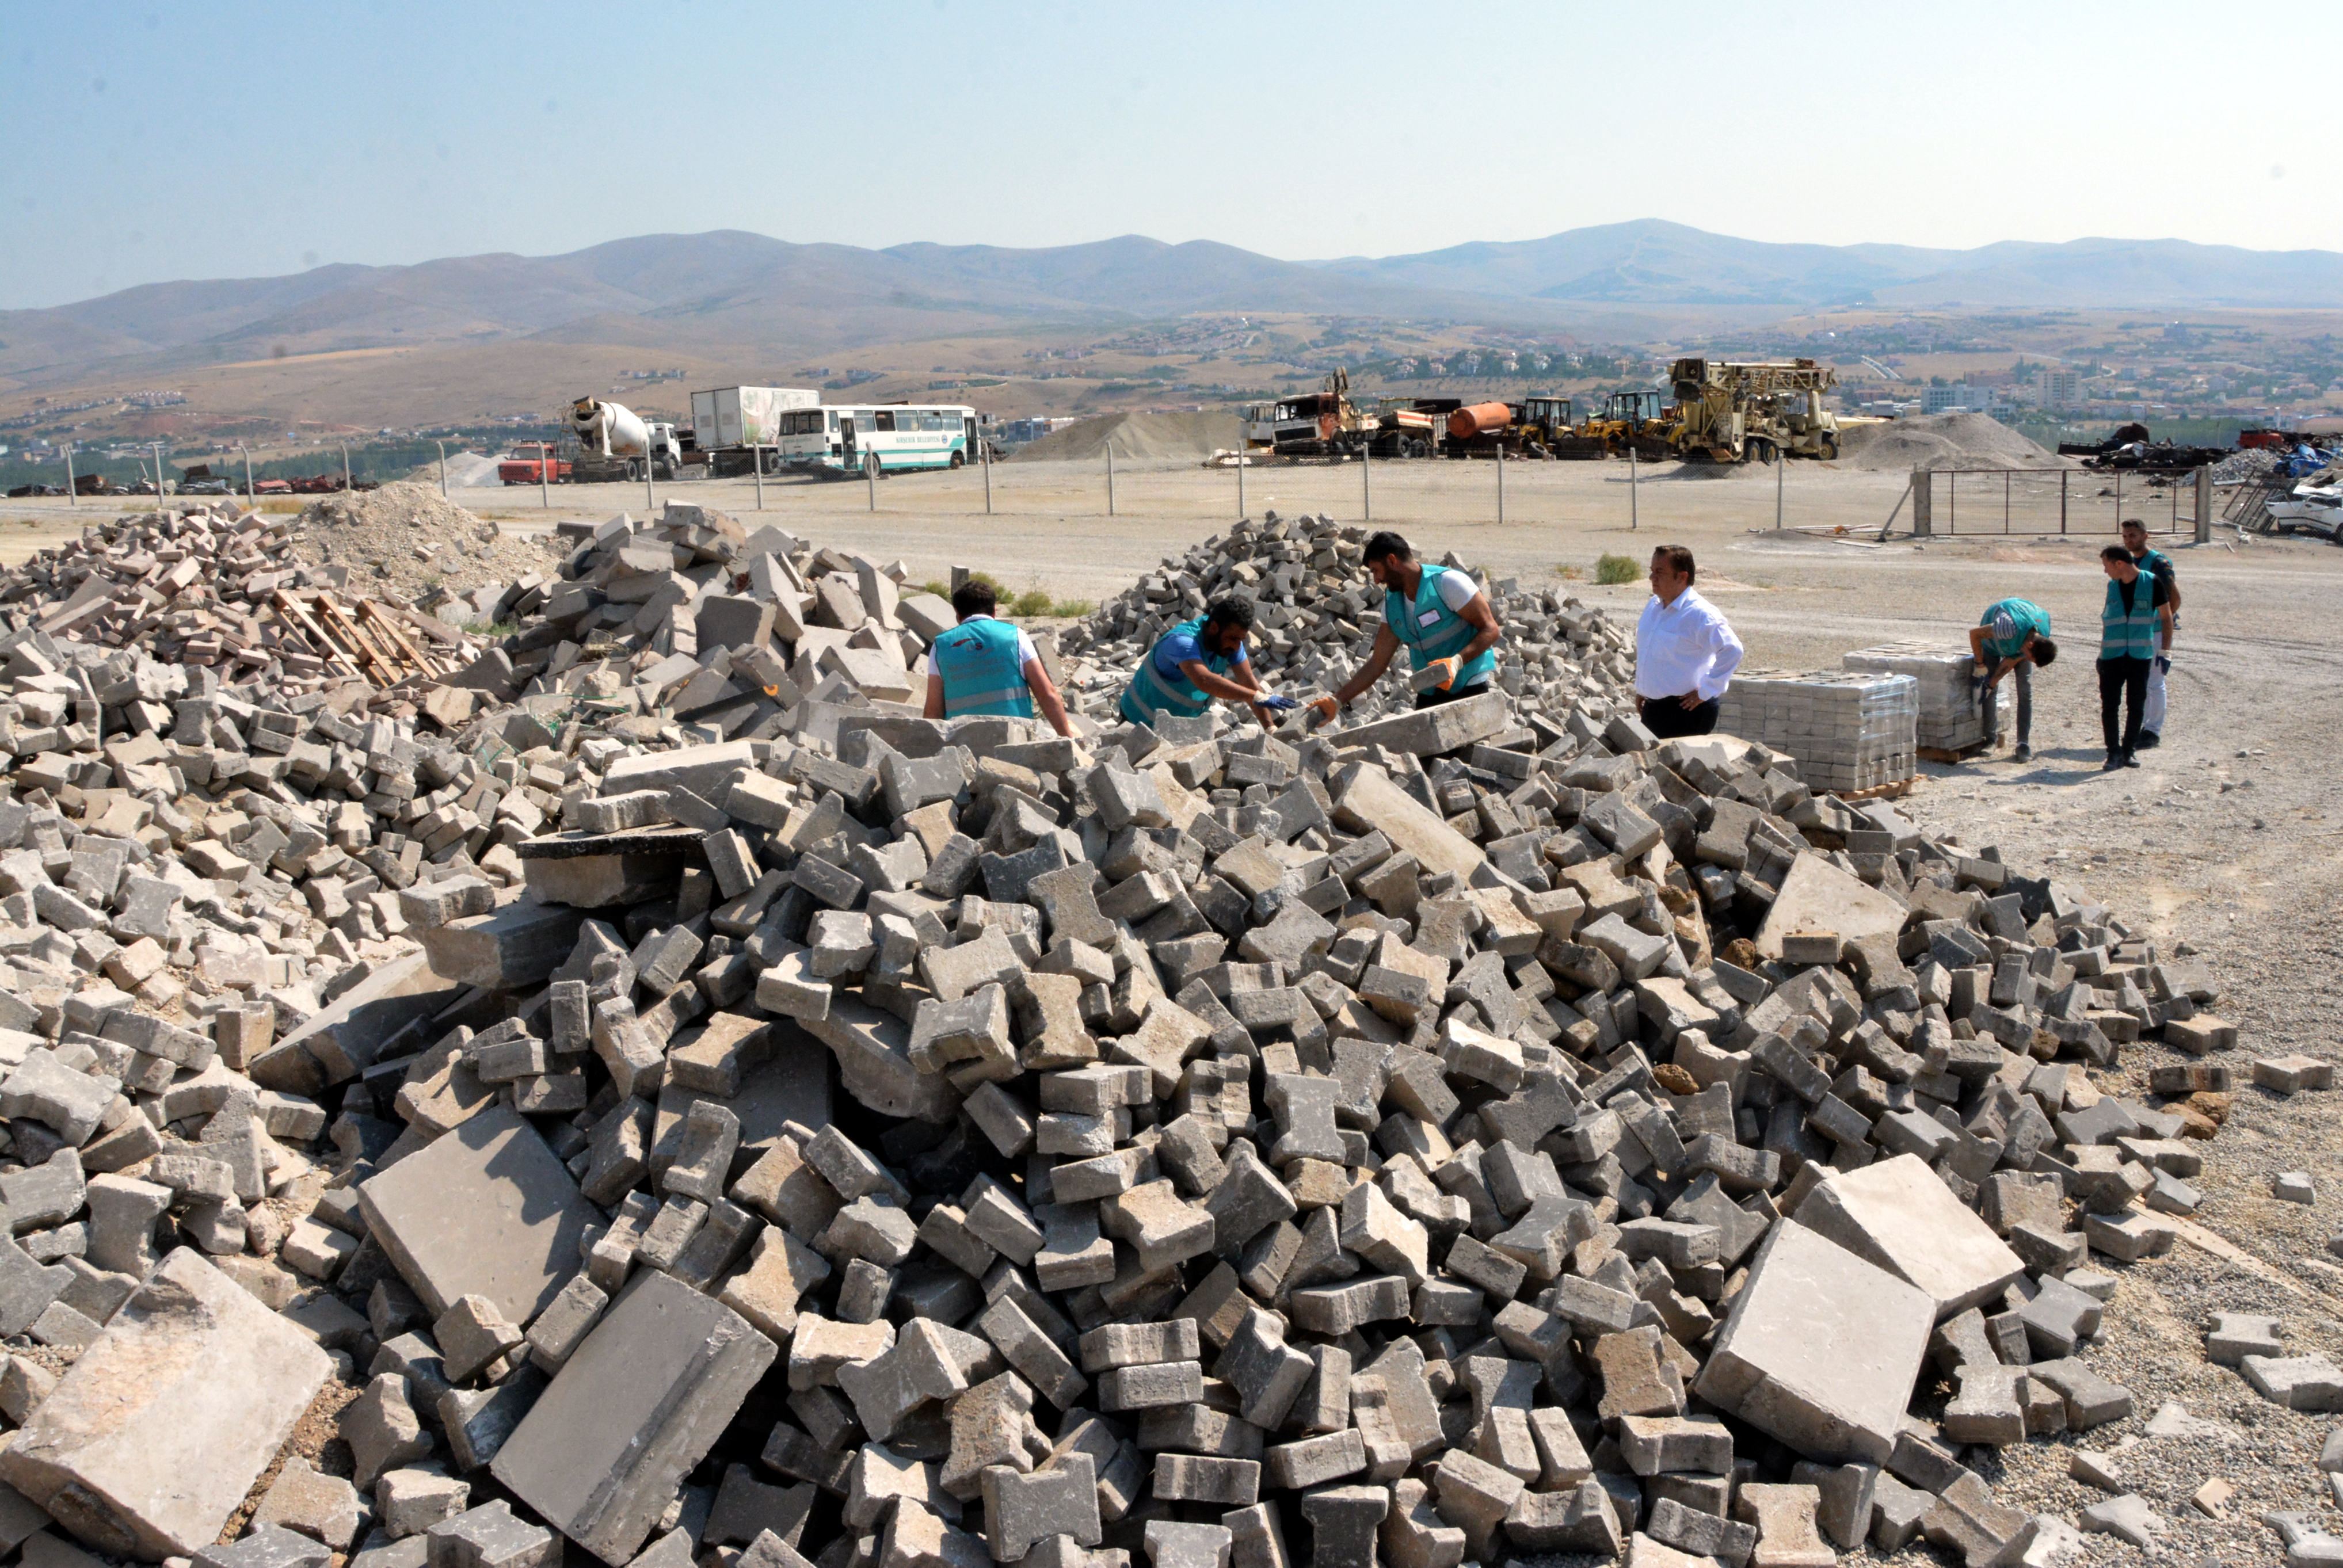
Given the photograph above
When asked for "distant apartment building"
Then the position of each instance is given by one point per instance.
(1958, 397)
(2057, 388)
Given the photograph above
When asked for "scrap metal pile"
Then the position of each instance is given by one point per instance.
(719, 1116)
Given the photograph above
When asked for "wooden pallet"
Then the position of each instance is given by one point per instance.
(1939, 754)
(1896, 792)
(368, 641)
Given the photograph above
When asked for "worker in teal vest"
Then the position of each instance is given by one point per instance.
(2135, 626)
(1442, 616)
(984, 666)
(1197, 662)
(2157, 565)
(2013, 635)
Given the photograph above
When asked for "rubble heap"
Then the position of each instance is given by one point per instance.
(410, 540)
(214, 588)
(819, 1134)
(1317, 613)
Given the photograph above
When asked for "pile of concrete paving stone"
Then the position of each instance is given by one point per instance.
(212, 588)
(761, 1125)
(1317, 611)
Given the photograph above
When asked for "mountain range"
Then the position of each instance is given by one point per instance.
(726, 291)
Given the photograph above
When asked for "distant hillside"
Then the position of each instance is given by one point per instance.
(1649, 262)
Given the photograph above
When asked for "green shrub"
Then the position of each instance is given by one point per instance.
(1033, 601)
(1616, 569)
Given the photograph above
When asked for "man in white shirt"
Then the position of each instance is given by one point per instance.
(1685, 653)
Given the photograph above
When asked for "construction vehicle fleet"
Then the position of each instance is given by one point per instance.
(1724, 412)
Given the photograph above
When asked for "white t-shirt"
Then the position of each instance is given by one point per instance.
(1455, 590)
(1025, 653)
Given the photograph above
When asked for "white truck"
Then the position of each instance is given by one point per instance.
(727, 421)
(614, 442)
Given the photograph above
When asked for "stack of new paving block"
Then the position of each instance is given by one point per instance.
(1956, 712)
(1848, 732)
(863, 1141)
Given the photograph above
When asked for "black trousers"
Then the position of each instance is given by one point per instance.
(2123, 682)
(1667, 718)
(1435, 697)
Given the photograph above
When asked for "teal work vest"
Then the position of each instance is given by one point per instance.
(978, 662)
(1432, 631)
(2132, 636)
(2031, 620)
(1151, 691)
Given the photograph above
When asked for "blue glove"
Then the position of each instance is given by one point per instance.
(1279, 704)
(2164, 663)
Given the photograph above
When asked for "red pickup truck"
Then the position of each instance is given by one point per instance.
(529, 468)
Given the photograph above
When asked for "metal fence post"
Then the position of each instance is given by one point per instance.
(1244, 449)
(1634, 520)
(758, 455)
(651, 497)
(158, 476)
(545, 475)
(1923, 501)
(871, 477)
(2204, 505)
(2118, 500)
(1367, 483)
(251, 498)
(1110, 478)
(443, 468)
(1781, 467)
(73, 496)
(1500, 485)
(2062, 503)
(985, 452)
(348, 485)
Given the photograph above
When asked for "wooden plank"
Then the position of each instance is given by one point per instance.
(386, 624)
(297, 614)
(385, 672)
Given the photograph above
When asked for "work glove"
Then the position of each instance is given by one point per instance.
(1326, 708)
(1448, 668)
(2164, 663)
(1279, 704)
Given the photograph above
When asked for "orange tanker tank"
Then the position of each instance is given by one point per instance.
(1478, 419)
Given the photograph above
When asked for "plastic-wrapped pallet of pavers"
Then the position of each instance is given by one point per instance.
(1849, 730)
(1956, 713)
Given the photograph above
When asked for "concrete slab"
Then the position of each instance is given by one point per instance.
(1817, 896)
(156, 1434)
(1821, 1348)
(1365, 799)
(484, 1210)
(638, 1405)
(1899, 1214)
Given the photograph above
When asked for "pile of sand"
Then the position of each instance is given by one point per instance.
(466, 470)
(1942, 441)
(1140, 437)
(404, 539)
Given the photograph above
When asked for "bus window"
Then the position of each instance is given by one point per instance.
(883, 420)
(830, 419)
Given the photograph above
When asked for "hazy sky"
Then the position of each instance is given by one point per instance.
(148, 142)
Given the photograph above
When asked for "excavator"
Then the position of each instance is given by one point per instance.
(1730, 413)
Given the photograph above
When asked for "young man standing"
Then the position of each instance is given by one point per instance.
(1686, 654)
(1196, 662)
(988, 666)
(2013, 635)
(2136, 615)
(1442, 616)
(2157, 565)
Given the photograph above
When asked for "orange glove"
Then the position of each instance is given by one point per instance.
(1448, 668)
(1326, 708)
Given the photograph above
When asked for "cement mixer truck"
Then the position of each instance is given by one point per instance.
(614, 442)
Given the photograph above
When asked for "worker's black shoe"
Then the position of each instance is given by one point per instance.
(2023, 753)
(2131, 759)
(2150, 740)
(2114, 761)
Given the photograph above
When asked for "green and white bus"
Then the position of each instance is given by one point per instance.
(878, 439)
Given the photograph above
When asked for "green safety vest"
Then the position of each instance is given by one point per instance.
(977, 662)
(2031, 618)
(1151, 691)
(1432, 631)
(2132, 635)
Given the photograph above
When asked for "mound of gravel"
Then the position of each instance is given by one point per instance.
(1942, 441)
(404, 538)
(466, 470)
(1139, 438)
